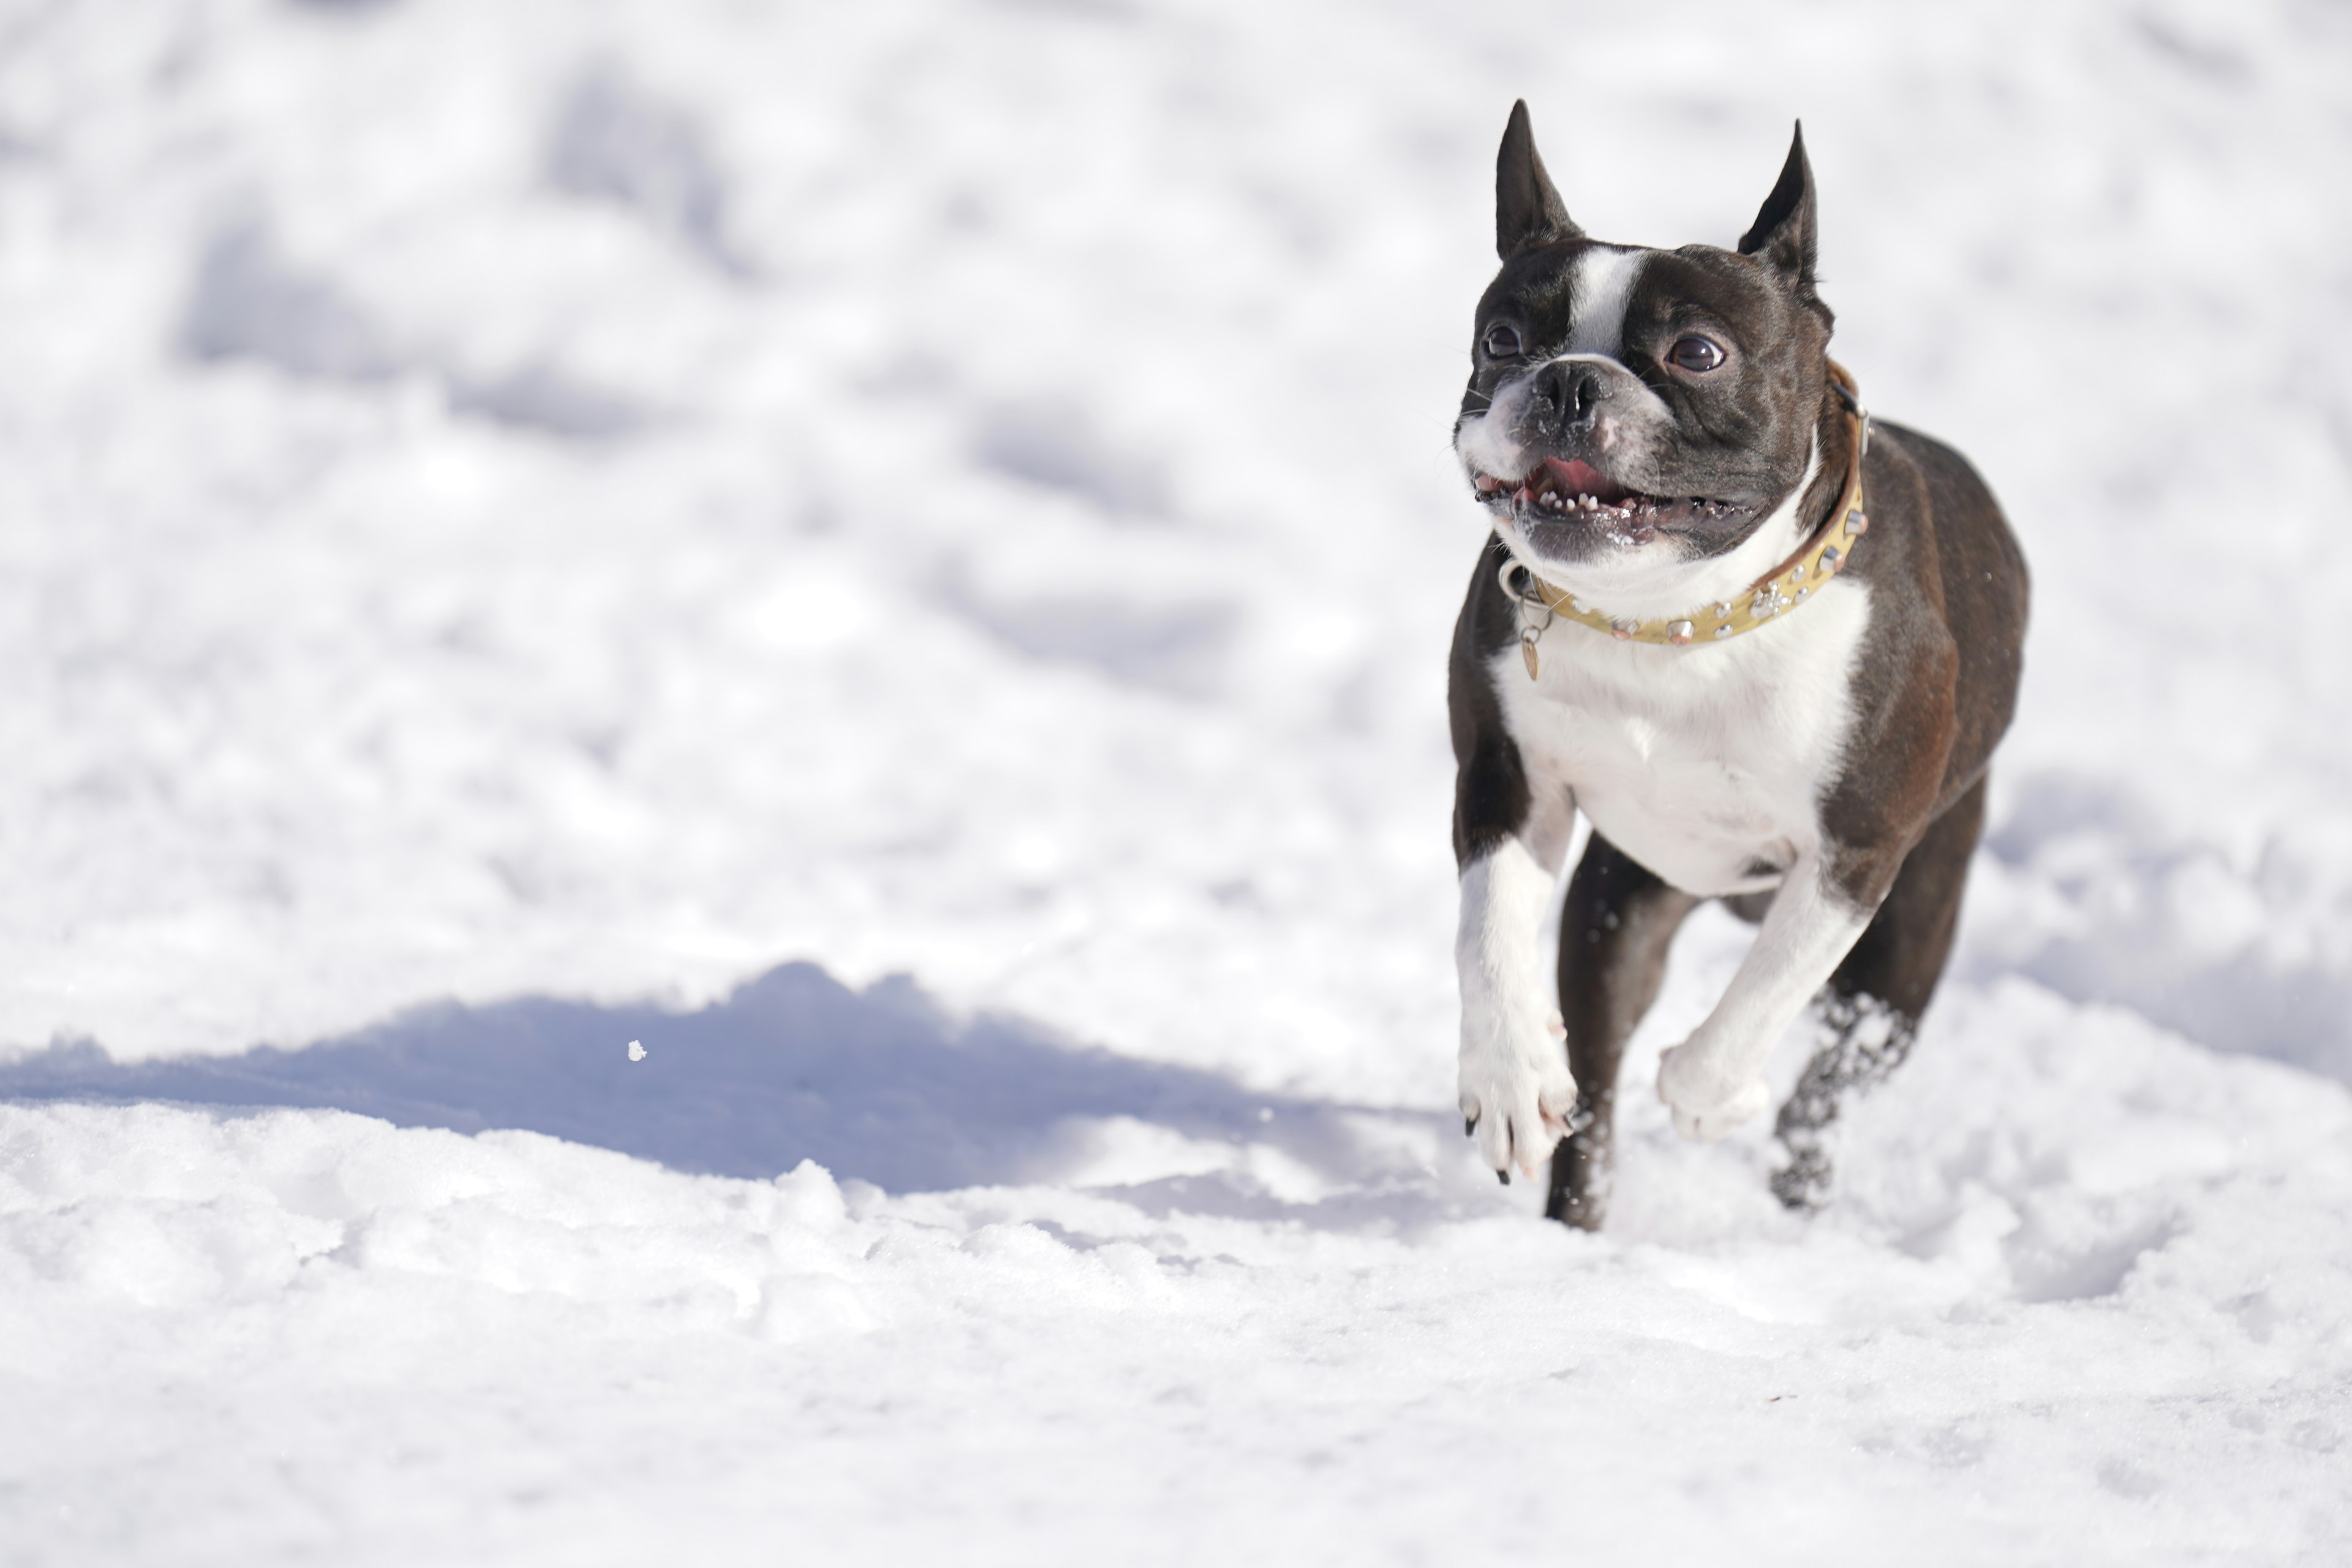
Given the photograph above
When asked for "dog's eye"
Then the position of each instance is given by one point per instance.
(1695, 352)
(1501, 341)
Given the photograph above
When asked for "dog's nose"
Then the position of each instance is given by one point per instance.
(1572, 392)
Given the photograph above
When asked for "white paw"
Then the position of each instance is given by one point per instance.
(1516, 1094)
(1707, 1096)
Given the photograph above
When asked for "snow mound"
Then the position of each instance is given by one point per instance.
(2083, 1298)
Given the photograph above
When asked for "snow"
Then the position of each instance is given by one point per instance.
(723, 829)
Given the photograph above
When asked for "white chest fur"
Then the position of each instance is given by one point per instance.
(1706, 764)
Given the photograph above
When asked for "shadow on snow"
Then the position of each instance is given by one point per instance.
(877, 1085)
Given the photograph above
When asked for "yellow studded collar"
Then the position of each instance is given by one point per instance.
(1784, 588)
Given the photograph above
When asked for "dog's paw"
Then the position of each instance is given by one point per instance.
(1706, 1099)
(1516, 1094)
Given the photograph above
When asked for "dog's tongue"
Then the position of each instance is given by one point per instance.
(1579, 477)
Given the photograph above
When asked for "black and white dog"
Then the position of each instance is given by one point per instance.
(1766, 646)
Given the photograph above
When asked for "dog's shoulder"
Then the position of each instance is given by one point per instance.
(1937, 686)
(1491, 788)
(1489, 620)
(1932, 491)
(1981, 585)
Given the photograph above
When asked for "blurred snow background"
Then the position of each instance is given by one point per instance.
(533, 526)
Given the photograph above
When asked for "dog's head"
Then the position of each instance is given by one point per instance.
(1634, 414)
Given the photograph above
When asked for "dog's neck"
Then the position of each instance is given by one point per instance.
(1812, 540)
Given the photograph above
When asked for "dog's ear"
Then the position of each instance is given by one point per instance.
(1782, 233)
(1527, 211)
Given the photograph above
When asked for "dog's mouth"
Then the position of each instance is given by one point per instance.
(1569, 491)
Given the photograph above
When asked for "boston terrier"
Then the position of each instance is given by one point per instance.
(1765, 643)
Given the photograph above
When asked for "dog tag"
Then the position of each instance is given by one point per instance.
(1528, 652)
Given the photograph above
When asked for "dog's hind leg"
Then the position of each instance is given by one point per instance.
(1613, 935)
(1875, 997)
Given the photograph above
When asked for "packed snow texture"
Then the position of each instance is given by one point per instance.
(723, 831)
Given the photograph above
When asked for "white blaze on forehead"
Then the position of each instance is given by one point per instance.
(1605, 276)
(1599, 296)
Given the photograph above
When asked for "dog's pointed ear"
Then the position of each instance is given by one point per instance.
(1527, 211)
(1783, 231)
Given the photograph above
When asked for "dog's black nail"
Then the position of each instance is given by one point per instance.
(1504, 1177)
(1469, 1125)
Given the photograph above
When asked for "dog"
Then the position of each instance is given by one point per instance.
(1764, 645)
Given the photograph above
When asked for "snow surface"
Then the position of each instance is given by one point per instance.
(899, 557)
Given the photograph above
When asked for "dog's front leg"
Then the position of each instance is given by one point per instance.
(1712, 1081)
(1516, 1094)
